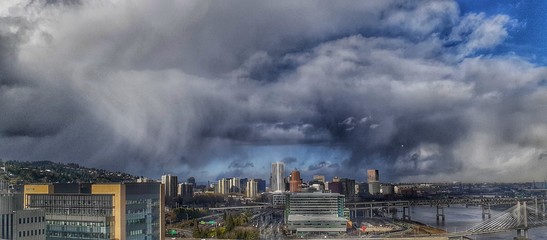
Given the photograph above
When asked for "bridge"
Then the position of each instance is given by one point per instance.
(525, 214)
(520, 217)
(366, 209)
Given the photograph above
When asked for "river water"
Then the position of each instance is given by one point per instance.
(459, 218)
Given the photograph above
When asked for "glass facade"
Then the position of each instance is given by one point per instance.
(132, 211)
(75, 216)
(315, 212)
(143, 211)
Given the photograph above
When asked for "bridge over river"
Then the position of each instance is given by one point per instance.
(525, 213)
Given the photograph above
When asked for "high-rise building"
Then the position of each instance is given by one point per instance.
(295, 182)
(335, 187)
(373, 177)
(320, 178)
(251, 191)
(192, 181)
(277, 183)
(170, 183)
(223, 186)
(19, 223)
(261, 184)
(374, 188)
(243, 184)
(347, 188)
(186, 190)
(125, 211)
(235, 185)
(335, 179)
(228, 185)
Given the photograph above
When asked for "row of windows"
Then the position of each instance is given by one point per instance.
(79, 223)
(135, 232)
(70, 200)
(35, 232)
(81, 235)
(77, 211)
(31, 220)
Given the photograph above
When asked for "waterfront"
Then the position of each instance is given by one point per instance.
(460, 218)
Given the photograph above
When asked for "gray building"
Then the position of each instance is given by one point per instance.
(170, 183)
(373, 176)
(186, 190)
(315, 213)
(19, 223)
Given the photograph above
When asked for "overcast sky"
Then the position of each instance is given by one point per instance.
(421, 90)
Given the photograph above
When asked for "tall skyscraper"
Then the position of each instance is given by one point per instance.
(373, 177)
(170, 183)
(277, 184)
(192, 181)
(295, 182)
(251, 190)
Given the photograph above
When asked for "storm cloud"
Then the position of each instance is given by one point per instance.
(150, 86)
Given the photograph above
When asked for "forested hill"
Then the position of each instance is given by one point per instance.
(46, 171)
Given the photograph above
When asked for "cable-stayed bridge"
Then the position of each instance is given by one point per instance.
(519, 218)
(525, 213)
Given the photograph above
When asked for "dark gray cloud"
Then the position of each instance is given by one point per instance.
(398, 84)
(289, 160)
(239, 164)
(323, 165)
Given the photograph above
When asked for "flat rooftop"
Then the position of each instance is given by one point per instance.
(332, 218)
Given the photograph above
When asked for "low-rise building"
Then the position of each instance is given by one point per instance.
(100, 211)
(315, 213)
(18, 223)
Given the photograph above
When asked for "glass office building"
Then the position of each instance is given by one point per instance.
(100, 211)
(315, 212)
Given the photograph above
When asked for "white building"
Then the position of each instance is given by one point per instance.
(229, 185)
(277, 184)
(251, 190)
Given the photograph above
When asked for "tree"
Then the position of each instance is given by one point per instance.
(230, 223)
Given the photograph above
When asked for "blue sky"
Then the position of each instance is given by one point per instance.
(529, 37)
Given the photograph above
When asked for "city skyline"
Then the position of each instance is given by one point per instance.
(421, 90)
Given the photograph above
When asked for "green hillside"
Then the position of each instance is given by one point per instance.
(46, 171)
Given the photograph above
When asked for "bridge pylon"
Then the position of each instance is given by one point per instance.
(486, 211)
(522, 218)
(406, 213)
(440, 213)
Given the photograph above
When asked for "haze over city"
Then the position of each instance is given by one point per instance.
(422, 90)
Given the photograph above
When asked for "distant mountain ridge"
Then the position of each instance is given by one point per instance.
(50, 172)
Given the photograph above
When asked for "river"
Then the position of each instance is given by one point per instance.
(459, 218)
